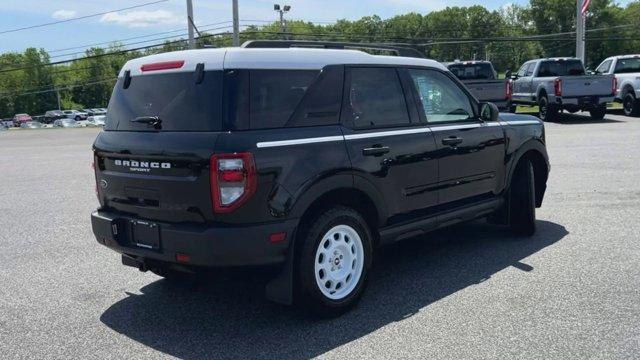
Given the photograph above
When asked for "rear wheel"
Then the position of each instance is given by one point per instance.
(522, 204)
(630, 105)
(546, 111)
(333, 262)
(599, 112)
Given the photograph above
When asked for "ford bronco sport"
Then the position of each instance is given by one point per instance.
(307, 159)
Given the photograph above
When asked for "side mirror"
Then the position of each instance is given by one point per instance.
(514, 76)
(489, 111)
(507, 74)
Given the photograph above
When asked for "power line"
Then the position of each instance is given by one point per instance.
(60, 88)
(79, 17)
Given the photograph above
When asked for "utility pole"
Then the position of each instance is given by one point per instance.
(58, 96)
(236, 24)
(192, 41)
(580, 30)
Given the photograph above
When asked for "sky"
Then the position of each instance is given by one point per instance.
(170, 15)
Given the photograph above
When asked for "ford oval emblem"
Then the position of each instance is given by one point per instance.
(103, 184)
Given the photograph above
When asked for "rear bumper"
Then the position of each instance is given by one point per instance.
(578, 101)
(205, 246)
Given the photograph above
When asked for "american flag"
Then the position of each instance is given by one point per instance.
(585, 6)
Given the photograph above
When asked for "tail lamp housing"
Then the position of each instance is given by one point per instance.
(233, 180)
(509, 89)
(557, 87)
(614, 86)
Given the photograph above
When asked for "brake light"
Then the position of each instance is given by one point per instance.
(233, 180)
(557, 87)
(614, 86)
(509, 89)
(165, 65)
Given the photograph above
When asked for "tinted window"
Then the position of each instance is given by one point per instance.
(472, 71)
(376, 98)
(523, 70)
(175, 98)
(561, 68)
(441, 99)
(274, 95)
(627, 66)
(604, 67)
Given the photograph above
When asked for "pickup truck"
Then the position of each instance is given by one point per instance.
(482, 81)
(626, 69)
(556, 84)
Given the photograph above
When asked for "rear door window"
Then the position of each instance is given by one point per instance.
(179, 100)
(627, 66)
(376, 98)
(560, 68)
(472, 71)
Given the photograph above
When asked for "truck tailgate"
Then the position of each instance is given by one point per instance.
(487, 90)
(588, 85)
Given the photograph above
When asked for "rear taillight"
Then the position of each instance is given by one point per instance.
(557, 87)
(233, 180)
(509, 89)
(614, 86)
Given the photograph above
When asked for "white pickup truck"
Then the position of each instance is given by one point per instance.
(556, 84)
(626, 69)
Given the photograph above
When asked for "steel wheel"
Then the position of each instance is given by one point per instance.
(339, 261)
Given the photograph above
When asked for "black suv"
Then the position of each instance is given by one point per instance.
(304, 159)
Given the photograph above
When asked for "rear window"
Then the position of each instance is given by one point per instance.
(177, 99)
(472, 71)
(627, 66)
(561, 68)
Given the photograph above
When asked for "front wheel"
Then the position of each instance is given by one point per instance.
(522, 200)
(630, 105)
(333, 262)
(599, 112)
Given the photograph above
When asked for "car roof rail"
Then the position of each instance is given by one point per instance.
(275, 44)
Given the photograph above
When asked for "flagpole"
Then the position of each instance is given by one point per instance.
(579, 31)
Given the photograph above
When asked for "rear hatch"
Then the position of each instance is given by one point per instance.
(152, 157)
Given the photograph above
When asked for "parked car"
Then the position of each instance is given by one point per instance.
(556, 84)
(99, 111)
(96, 120)
(626, 69)
(482, 81)
(52, 115)
(75, 115)
(18, 119)
(3, 127)
(321, 157)
(7, 122)
(31, 125)
(65, 123)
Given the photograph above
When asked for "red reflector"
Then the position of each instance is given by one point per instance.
(183, 258)
(232, 176)
(162, 65)
(277, 237)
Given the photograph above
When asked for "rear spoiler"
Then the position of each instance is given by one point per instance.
(284, 44)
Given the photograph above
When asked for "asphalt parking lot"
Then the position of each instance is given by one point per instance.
(571, 291)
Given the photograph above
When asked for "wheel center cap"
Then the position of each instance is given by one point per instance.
(336, 261)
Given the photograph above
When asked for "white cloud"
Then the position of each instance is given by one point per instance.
(142, 18)
(63, 14)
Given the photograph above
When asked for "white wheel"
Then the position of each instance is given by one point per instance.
(339, 261)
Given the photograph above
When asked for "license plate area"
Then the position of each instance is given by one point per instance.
(145, 234)
(588, 100)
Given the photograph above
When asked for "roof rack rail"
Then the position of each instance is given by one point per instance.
(272, 44)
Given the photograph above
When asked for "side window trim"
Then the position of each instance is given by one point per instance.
(423, 117)
(346, 118)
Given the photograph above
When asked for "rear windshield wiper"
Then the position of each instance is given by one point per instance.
(154, 121)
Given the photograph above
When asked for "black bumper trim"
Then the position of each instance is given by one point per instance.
(246, 245)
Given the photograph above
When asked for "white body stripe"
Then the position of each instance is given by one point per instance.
(266, 144)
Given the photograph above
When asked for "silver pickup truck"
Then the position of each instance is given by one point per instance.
(557, 84)
(482, 81)
(626, 69)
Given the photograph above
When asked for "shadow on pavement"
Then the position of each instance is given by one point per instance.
(231, 319)
(575, 119)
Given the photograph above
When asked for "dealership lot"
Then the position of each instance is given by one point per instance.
(572, 291)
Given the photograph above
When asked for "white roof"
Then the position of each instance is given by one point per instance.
(255, 58)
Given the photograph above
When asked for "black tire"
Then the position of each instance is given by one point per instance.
(599, 112)
(78, 118)
(522, 204)
(512, 108)
(630, 105)
(546, 111)
(309, 295)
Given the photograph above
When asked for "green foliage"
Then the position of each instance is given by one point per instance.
(452, 33)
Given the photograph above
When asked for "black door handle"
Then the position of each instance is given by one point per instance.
(452, 141)
(375, 151)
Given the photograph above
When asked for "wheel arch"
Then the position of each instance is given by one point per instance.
(535, 152)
